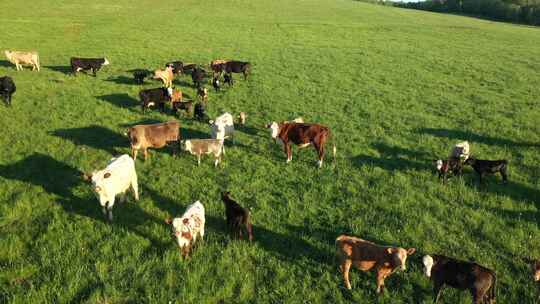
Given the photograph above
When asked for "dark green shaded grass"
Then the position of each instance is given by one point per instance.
(398, 88)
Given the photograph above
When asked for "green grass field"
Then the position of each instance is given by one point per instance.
(397, 87)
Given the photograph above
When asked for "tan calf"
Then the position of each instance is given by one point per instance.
(367, 256)
(23, 58)
(205, 146)
(153, 136)
(166, 76)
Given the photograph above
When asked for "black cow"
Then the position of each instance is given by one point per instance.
(228, 79)
(185, 105)
(480, 281)
(155, 97)
(177, 66)
(140, 74)
(238, 67)
(198, 75)
(188, 68)
(85, 64)
(7, 88)
(484, 167)
(199, 111)
(238, 218)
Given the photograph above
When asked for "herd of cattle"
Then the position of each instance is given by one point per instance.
(119, 176)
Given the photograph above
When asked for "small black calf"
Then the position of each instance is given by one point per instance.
(228, 79)
(238, 217)
(188, 68)
(7, 88)
(140, 74)
(485, 167)
(198, 75)
(187, 106)
(155, 97)
(199, 111)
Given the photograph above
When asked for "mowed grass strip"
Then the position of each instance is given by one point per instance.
(397, 88)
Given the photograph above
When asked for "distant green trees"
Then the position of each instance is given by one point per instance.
(518, 11)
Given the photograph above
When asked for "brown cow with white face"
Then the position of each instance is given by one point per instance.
(367, 256)
(302, 135)
(153, 136)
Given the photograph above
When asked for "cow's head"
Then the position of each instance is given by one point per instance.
(399, 256)
(7, 53)
(428, 262)
(438, 164)
(242, 116)
(274, 129)
(105, 61)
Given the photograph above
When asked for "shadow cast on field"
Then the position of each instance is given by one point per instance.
(122, 80)
(94, 136)
(121, 100)
(58, 178)
(251, 131)
(464, 135)
(64, 69)
(513, 190)
(395, 158)
(6, 64)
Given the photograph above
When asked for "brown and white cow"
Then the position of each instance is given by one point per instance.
(188, 228)
(302, 135)
(153, 136)
(367, 256)
(200, 147)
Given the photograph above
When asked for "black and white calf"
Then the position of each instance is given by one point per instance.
(485, 167)
(480, 281)
(85, 64)
(454, 165)
(7, 88)
(157, 97)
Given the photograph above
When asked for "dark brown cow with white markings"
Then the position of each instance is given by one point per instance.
(302, 135)
(154, 136)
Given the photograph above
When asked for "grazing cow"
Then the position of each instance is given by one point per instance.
(177, 66)
(242, 117)
(114, 180)
(237, 217)
(484, 167)
(153, 136)
(85, 64)
(7, 88)
(367, 256)
(140, 74)
(480, 281)
(202, 94)
(199, 112)
(23, 58)
(225, 122)
(215, 83)
(238, 67)
(228, 79)
(205, 146)
(198, 75)
(460, 151)
(302, 135)
(445, 166)
(187, 106)
(167, 76)
(159, 97)
(188, 228)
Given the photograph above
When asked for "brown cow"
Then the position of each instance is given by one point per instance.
(367, 256)
(302, 135)
(153, 136)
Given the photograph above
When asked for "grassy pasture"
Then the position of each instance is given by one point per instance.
(397, 87)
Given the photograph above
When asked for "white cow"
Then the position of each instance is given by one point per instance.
(114, 180)
(225, 121)
(189, 227)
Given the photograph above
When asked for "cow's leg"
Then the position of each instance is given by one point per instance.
(135, 187)
(134, 153)
(320, 150)
(37, 66)
(381, 275)
(503, 174)
(345, 267)
(94, 72)
(145, 151)
(437, 288)
(109, 209)
(288, 151)
(175, 147)
(199, 159)
(249, 231)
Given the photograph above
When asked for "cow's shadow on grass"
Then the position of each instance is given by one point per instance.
(395, 158)
(122, 80)
(64, 69)
(122, 100)
(60, 179)
(473, 137)
(188, 133)
(97, 137)
(251, 131)
(6, 64)
(513, 190)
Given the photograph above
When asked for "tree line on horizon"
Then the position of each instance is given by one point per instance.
(516, 11)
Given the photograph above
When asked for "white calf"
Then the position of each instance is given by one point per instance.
(189, 227)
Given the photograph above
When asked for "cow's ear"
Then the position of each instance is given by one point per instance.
(86, 177)
(168, 221)
(107, 175)
(411, 251)
(389, 250)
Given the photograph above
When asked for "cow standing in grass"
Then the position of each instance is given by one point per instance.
(85, 64)
(23, 58)
(7, 88)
